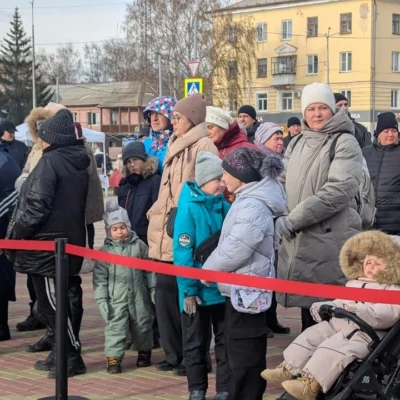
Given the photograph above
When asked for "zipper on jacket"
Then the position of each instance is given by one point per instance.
(115, 273)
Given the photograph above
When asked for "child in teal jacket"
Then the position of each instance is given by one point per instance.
(201, 212)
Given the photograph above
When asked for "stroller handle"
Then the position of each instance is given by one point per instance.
(327, 312)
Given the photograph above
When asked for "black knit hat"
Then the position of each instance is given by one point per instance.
(134, 149)
(250, 165)
(293, 121)
(59, 129)
(340, 97)
(386, 120)
(249, 110)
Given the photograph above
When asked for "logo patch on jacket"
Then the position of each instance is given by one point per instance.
(184, 240)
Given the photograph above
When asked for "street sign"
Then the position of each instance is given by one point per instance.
(193, 86)
(193, 67)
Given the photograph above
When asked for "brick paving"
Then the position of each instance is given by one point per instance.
(18, 379)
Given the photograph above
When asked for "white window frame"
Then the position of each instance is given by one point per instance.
(314, 34)
(266, 68)
(395, 61)
(264, 101)
(347, 93)
(312, 64)
(93, 118)
(395, 99)
(114, 121)
(75, 116)
(395, 28)
(348, 61)
(284, 107)
(289, 29)
(232, 34)
(261, 32)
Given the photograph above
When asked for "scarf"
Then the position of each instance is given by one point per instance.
(160, 140)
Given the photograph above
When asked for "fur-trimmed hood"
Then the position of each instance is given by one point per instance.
(150, 168)
(375, 243)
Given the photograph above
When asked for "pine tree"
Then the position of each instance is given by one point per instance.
(16, 75)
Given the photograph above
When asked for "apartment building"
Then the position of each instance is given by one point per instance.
(354, 45)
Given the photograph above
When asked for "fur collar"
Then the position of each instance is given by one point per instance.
(232, 137)
(35, 115)
(374, 243)
(150, 168)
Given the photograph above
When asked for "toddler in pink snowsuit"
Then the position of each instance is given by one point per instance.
(321, 353)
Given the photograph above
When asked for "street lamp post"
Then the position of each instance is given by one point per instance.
(33, 60)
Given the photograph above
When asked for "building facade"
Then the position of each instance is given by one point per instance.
(354, 45)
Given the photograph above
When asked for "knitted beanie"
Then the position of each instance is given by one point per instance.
(58, 129)
(265, 131)
(217, 116)
(251, 165)
(317, 93)
(249, 110)
(114, 214)
(193, 108)
(386, 120)
(134, 149)
(208, 167)
(340, 97)
(293, 121)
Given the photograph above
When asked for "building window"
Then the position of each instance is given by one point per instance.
(395, 61)
(262, 32)
(284, 65)
(347, 94)
(312, 27)
(395, 99)
(75, 115)
(114, 117)
(232, 34)
(261, 68)
(287, 101)
(345, 23)
(232, 69)
(345, 62)
(262, 102)
(93, 118)
(396, 24)
(312, 64)
(287, 29)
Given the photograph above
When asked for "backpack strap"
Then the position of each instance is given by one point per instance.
(297, 140)
(333, 146)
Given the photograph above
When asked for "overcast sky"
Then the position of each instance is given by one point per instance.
(62, 21)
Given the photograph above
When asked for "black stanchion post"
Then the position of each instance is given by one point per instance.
(62, 324)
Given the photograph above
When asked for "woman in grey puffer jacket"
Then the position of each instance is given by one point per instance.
(246, 247)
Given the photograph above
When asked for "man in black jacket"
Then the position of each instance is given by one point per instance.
(18, 150)
(361, 132)
(247, 117)
(52, 205)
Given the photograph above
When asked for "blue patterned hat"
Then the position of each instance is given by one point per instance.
(162, 105)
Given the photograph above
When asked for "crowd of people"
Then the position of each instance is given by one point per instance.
(205, 190)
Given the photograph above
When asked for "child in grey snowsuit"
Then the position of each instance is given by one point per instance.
(124, 295)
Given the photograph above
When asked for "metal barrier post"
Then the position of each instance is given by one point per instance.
(62, 324)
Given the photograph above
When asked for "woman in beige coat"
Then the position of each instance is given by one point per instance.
(189, 139)
(369, 260)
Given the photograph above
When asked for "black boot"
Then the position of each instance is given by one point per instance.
(144, 359)
(48, 363)
(44, 344)
(30, 324)
(221, 396)
(4, 332)
(76, 366)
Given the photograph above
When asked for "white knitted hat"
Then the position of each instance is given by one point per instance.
(208, 167)
(317, 93)
(217, 116)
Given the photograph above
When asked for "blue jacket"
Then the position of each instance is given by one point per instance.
(159, 154)
(199, 216)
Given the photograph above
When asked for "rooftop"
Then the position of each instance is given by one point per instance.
(105, 95)
(262, 3)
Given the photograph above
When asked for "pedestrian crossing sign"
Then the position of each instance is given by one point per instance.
(193, 86)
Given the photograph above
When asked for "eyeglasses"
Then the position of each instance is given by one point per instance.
(177, 118)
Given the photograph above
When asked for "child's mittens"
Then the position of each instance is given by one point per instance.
(104, 311)
(153, 295)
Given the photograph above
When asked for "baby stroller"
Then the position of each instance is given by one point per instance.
(375, 377)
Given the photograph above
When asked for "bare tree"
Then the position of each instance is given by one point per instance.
(94, 68)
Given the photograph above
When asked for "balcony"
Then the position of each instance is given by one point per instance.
(122, 129)
(283, 70)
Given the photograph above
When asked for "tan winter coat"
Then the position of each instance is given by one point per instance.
(319, 194)
(179, 167)
(324, 350)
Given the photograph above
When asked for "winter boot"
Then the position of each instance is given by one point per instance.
(180, 370)
(30, 324)
(44, 344)
(221, 396)
(197, 395)
(144, 359)
(4, 332)
(114, 365)
(48, 363)
(303, 388)
(277, 376)
(76, 366)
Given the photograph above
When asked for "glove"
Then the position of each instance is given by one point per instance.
(190, 305)
(284, 228)
(153, 295)
(104, 311)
